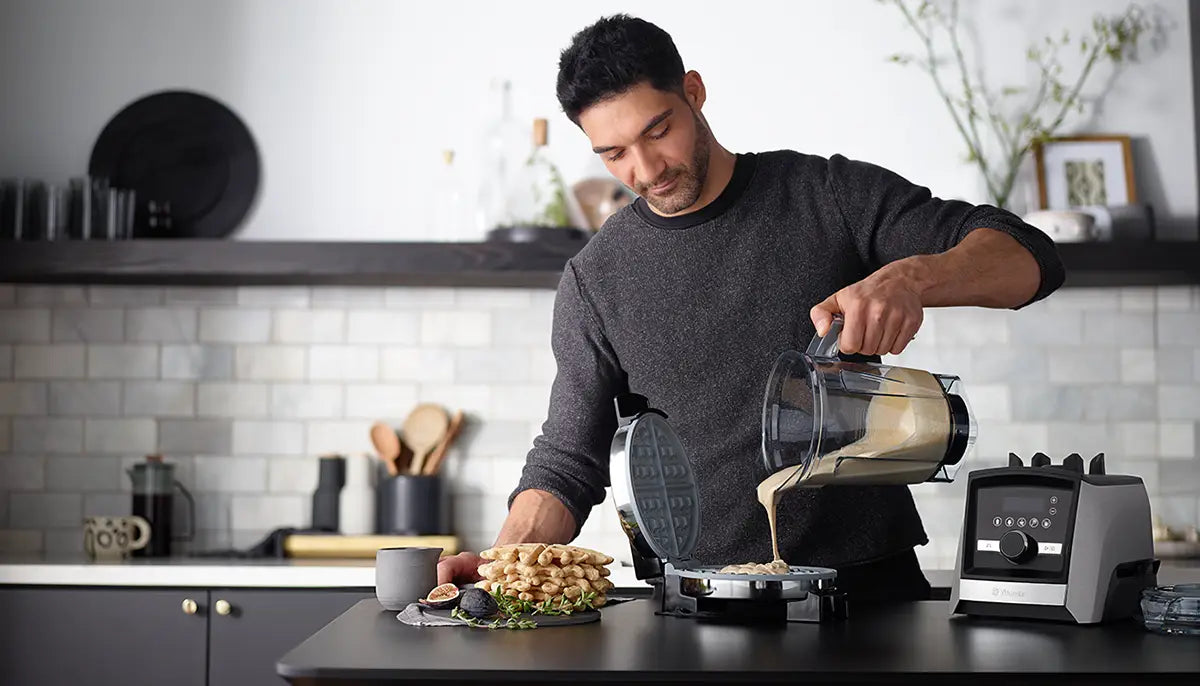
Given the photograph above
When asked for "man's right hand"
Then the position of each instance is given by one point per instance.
(462, 568)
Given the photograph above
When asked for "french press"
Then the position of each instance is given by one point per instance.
(154, 487)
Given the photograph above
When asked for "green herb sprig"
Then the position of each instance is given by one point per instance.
(512, 609)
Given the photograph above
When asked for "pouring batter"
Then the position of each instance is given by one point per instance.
(687, 295)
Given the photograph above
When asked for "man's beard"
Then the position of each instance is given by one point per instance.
(690, 181)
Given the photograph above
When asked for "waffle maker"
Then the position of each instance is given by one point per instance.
(659, 507)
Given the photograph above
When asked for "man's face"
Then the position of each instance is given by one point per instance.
(654, 143)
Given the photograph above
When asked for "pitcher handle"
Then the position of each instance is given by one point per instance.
(191, 528)
(827, 345)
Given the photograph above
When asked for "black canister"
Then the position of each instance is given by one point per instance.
(326, 502)
(413, 506)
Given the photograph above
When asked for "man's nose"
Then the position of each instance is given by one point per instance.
(646, 166)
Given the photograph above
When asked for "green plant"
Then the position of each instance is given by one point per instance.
(554, 213)
(513, 609)
(1042, 109)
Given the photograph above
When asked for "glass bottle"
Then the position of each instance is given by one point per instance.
(539, 196)
(451, 216)
(505, 148)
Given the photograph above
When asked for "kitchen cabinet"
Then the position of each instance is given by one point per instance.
(101, 636)
(183, 637)
(250, 629)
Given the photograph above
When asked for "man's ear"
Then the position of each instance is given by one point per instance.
(693, 89)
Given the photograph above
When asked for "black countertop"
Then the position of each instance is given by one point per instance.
(906, 642)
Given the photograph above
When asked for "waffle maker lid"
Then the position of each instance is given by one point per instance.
(665, 499)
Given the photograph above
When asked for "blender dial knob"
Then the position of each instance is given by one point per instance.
(1017, 546)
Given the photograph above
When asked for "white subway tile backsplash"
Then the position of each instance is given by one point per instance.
(1130, 402)
(23, 398)
(384, 326)
(490, 299)
(121, 435)
(1179, 328)
(1007, 364)
(122, 361)
(543, 367)
(965, 326)
(324, 437)
(196, 436)
(212, 513)
(1179, 402)
(1137, 440)
(80, 325)
(306, 401)
(1139, 365)
(343, 363)
(193, 362)
(132, 296)
(1085, 438)
(417, 364)
(53, 361)
(24, 325)
(1040, 402)
(346, 296)
(498, 365)
(278, 296)
(309, 326)
(1174, 299)
(159, 398)
(85, 398)
(1148, 470)
(23, 540)
(106, 505)
(1138, 299)
(380, 401)
(486, 437)
(1084, 365)
(257, 514)
(199, 295)
(1177, 439)
(268, 438)
(1085, 299)
(82, 474)
(473, 399)
(45, 510)
(22, 473)
(161, 325)
(231, 474)
(234, 325)
(1175, 364)
(990, 402)
(36, 435)
(997, 440)
(233, 400)
(520, 401)
(419, 298)
(292, 475)
(1118, 328)
(1043, 327)
(271, 362)
(521, 328)
(458, 328)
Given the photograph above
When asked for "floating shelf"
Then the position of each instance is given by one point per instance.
(516, 265)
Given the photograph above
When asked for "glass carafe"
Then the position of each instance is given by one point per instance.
(829, 421)
(154, 488)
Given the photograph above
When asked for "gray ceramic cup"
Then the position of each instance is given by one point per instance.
(404, 575)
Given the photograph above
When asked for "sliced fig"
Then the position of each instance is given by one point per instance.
(441, 597)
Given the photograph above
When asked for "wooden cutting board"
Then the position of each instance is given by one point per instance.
(339, 546)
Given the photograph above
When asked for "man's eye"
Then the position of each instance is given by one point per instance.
(615, 156)
(660, 135)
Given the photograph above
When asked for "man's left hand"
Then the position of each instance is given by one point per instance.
(882, 313)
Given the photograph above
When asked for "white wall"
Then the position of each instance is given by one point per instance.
(350, 101)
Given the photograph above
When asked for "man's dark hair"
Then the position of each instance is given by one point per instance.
(612, 56)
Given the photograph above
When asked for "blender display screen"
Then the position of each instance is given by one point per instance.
(1022, 504)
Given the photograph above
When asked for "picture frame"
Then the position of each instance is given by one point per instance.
(1084, 171)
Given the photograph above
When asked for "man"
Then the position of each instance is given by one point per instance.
(688, 295)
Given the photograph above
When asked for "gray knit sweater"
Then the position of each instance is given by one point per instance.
(692, 311)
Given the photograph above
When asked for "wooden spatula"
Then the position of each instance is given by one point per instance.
(387, 445)
(439, 453)
(423, 430)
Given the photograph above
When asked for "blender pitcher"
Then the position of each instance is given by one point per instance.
(154, 487)
(828, 421)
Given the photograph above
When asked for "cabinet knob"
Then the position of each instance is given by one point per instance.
(189, 606)
(222, 607)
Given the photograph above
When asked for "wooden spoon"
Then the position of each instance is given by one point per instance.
(388, 445)
(423, 430)
(439, 453)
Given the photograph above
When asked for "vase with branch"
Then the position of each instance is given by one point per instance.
(1001, 126)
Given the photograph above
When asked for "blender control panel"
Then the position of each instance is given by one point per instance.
(1021, 527)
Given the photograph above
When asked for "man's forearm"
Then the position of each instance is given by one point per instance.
(537, 517)
(988, 268)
